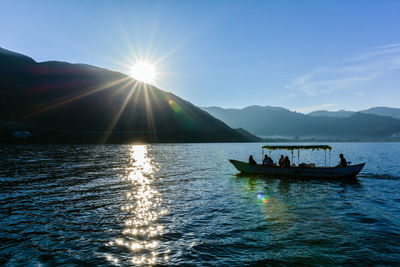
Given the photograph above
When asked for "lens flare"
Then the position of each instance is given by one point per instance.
(261, 197)
(174, 106)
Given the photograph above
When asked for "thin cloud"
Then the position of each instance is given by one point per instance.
(306, 110)
(365, 67)
(360, 93)
(387, 46)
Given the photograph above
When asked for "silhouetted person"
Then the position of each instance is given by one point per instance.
(286, 162)
(268, 161)
(343, 162)
(252, 161)
(265, 160)
(281, 161)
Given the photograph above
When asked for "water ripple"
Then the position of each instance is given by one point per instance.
(175, 204)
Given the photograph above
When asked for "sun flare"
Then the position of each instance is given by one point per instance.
(144, 72)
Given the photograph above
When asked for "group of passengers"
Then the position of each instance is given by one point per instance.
(284, 162)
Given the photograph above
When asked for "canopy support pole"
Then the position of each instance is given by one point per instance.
(298, 157)
(325, 158)
(292, 156)
(329, 158)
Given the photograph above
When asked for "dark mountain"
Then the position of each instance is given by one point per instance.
(324, 113)
(280, 122)
(15, 58)
(383, 111)
(76, 103)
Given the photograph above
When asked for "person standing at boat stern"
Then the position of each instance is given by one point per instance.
(343, 162)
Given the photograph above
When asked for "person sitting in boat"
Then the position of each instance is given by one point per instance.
(286, 162)
(252, 161)
(343, 162)
(281, 161)
(268, 161)
(265, 161)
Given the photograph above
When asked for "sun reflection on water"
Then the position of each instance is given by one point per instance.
(142, 231)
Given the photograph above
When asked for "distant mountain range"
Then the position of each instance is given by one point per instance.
(325, 113)
(276, 122)
(380, 111)
(59, 102)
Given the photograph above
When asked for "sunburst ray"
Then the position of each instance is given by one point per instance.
(74, 98)
(118, 114)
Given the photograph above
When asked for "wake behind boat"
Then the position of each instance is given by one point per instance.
(302, 170)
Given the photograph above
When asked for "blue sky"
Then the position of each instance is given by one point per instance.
(302, 55)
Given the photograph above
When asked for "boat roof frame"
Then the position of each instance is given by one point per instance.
(305, 147)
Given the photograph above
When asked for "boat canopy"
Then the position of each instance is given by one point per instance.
(316, 147)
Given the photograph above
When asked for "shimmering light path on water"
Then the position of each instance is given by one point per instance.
(183, 204)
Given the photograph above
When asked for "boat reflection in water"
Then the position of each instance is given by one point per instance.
(143, 206)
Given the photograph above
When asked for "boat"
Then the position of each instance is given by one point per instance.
(301, 170)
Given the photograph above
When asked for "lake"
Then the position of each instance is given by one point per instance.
(183, 204)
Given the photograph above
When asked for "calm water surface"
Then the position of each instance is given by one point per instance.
(183, 204)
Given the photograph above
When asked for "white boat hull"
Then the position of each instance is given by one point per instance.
(325, 172)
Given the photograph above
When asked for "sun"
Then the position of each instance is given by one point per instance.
(143, 71)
